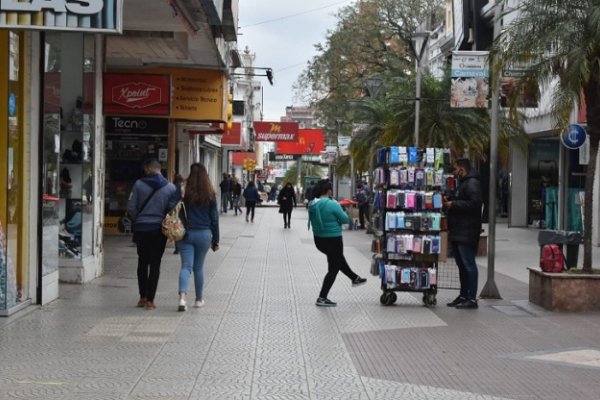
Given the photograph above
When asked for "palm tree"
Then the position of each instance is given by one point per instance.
(560, 42)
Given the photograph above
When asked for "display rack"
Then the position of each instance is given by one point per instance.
(408, 220)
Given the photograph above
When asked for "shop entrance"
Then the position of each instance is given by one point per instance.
(129, 141)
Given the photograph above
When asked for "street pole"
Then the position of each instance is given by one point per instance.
(418, 102)
(490, 290)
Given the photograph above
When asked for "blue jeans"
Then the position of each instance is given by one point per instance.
(467, 269)
(193, 251)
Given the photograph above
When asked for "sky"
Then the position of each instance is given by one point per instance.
(282, 35)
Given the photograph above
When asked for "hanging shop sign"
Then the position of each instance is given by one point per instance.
(310, 141)
(276, 131)
(64, 15)
(574, 137)
(198, 95)
(136, 94)
(470, 79)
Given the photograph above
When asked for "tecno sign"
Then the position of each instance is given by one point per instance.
(81, 7)
(136, 95)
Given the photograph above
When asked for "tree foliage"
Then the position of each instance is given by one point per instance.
(559, 41)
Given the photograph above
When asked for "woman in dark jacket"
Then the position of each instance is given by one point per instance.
(252, 197)
(202, 226)
(287, 201)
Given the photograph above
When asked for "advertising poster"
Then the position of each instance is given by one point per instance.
(470, 79)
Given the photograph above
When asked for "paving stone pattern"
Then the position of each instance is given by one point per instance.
(260, 336)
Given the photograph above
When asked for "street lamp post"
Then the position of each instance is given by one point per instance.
(339, 121)
(373, 85)
(418, 43)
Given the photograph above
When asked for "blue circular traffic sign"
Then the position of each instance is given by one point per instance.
(574, 137)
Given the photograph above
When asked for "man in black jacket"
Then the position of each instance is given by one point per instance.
(464, 225)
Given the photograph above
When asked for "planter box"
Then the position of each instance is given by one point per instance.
(564, 291)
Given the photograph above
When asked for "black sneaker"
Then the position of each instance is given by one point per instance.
(468, 304)
(457, 301)
(358, 281)
(323, 302)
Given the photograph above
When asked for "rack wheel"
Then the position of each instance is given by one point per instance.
(388, 298)
(429, 299)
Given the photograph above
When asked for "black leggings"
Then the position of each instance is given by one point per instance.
(150, 249)
(250, 206)
(333, 248)
(287, 217)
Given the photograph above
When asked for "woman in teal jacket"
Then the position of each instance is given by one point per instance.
(326, 217)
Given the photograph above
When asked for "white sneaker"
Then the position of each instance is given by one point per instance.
(182, 305)
(199, 303)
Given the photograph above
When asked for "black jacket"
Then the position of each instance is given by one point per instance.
(464, 217)
(286, 199)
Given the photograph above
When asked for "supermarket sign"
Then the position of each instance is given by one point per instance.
(275, 131)
(64, 15)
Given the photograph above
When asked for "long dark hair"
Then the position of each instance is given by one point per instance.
(199, 190)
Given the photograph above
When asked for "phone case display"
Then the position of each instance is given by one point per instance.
(409, 183)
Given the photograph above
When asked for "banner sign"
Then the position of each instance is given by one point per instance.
(283, 157)
(343, 145)
(275, 131)
(310, 141)
(136, 94)
(470, 79)
(104, 16)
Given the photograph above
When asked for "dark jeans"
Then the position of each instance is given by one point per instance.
(363, 214)
(224, 202)
(287, 217)
(150, 249)
(333, 248)
(250, 206)
(464, 255)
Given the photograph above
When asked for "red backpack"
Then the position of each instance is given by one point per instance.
(552, 259)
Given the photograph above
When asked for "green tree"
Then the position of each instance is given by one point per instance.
(560, 42)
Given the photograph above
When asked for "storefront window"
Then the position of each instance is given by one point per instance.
(543, 183)
(68, 157)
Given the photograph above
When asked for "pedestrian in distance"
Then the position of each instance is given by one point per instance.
(148, 204)
(202, 231)
(287, 201)
(225, 187)
(236, 191)
(308, 193)
(362, 199)
(326, 217)
(230, 197)
(464, 229)
(178, 182)
(252, 197)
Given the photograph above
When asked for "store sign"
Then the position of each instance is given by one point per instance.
(136, 94)
(283, 157)
(276, 131)
(574, 137)
(198, 95)
(233, 136)
(72, 15)
(136, 126)
(310, 141)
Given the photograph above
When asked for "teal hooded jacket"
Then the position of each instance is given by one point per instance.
(326, 217)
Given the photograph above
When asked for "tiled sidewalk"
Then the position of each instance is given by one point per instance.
(260, 335)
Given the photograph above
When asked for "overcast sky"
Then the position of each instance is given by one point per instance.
(282, 34)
